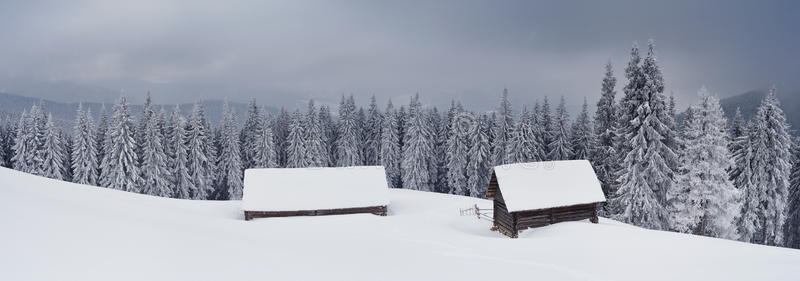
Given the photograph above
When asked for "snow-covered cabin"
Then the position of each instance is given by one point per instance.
(283, 192)
(536, 194)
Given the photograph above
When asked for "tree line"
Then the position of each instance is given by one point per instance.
(706, 176)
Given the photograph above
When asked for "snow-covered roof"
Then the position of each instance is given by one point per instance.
(296, 189)
(541, 185)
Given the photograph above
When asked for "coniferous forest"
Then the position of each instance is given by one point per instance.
(706, 175)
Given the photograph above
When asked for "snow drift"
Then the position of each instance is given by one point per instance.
(52, 230)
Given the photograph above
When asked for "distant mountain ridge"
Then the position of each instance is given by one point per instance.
(748, 103)
(65, 112)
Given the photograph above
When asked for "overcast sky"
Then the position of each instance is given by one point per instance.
(284, 52)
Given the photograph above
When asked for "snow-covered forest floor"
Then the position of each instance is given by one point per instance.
(54, 230)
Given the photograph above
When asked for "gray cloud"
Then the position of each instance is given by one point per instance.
(283, 52)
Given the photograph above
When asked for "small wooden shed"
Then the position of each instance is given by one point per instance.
(536, 194)
(314, 191)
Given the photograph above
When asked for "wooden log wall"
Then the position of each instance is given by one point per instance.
(376, 210)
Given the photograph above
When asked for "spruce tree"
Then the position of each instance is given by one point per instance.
(559, 147)
(182, 182)
(25, 146)
(647, 171)
(416, 149)
(458, 147)
(390, 146)
(265, 155)
(281, 128)
(582, 139)
(52, 152)
(314, 138)
(250, 134)
(348, 143)
(479, 161)
(766, 191)
(296, 143)
(100, 138)
(524, 145)
(155, 175)
(792, 226)
(329, 134)
(372, 134)
(119, 167)
(200, 155)
(703, 200)
(603, 154)
(84, 151)
(503, 130)
(438, 140)
(547, 125)
(230, 172)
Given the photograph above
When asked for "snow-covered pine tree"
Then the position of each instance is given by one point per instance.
(66, 148)
(458, 147)
(329, 134)
(250, 134)
(349, 137)
(230, 171)
(765, 197)
(25, 147)
(582, 139)
(416, 149)
(524, 144)
(314, 139)
(361, 122)
(372, 132)
(100, 138)
(296, 143)
(182, 182)
(646, 172)
(119, 165)
(52, 152)
(84, 150)
(547, 125)
(703, 200)
(503, 131)
(200, 155)
(603, 156)
(147, 113)
(479, 161)
(559, 147)
(281, 129)
(3, 143)
(738, 135)
(438, 162)
(792, 225)
(155, 174)
(390, 146)
(265, 155)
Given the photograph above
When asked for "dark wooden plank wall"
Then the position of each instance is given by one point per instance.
(493, 186)
(376, 210)
(538, 218)
(503, 220)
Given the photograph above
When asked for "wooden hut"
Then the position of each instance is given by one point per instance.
(536, 194)
(314, 191)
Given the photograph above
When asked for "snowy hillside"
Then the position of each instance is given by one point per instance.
(53, 230)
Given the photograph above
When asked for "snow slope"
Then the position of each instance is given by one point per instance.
(51, 230)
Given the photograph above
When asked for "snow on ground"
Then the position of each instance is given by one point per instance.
(51, 230)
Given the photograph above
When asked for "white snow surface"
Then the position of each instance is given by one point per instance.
(540, 185)
(314, 188)
(53, 230)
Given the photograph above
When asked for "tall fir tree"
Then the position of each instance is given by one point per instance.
(249, 135)
(792, 225)
(479, 161)
(52, 152)
(139, 131)
(265, 155)
(329, 134)
(281, 128)
(524, 145)
(348, 146)
(25, 146)
(766, 190)
(703, 200)
(647, 172)
(230, 173)
(100, 139)
(582, 138)
(603, 154)
(296, 143)
(182, 183)
(416, 149)
(84, 152)
(372, 134)
(390, 146)
(120, 169)
(559, 146)
(437, 165)
(314, 138)
(547, 124)
(458, 147)
(503, 130)
(155, 175)
(200, 154)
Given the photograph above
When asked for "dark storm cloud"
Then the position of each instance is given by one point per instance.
(282, 52)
